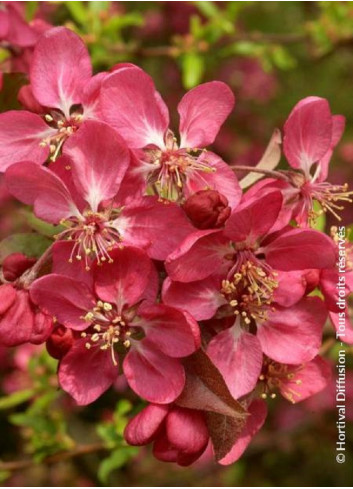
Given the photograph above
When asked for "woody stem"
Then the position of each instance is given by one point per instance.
(270, 173)
(31, 274)
(52, 459)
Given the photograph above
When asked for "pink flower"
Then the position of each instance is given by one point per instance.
(181, 435)
(79, 192)
(311, 133)
(172, 171)
(295, 383)
(251, 282)
(13, 27)
(114, 317)
(61, 89)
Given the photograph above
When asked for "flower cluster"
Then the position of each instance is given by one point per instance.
(209, 299)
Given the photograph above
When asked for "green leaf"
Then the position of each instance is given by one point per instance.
(282, 59)
(31, 8)
(4, 475)
(320, 222)
(208, 9)
(118, 458)
(97, 7)
(16, 398)
(193, 67)
(42, 227)
(30, 244)
(78, 11)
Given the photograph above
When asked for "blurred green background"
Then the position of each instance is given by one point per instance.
(272, 54)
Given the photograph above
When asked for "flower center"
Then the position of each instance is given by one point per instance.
(168, 170)
(65, 128)
(328, 196)
(94, 236)
(272, 377)
(249, 288)
(110, 329)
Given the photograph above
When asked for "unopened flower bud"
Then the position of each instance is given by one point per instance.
(207, 209)
(15, 265)
(59, 342)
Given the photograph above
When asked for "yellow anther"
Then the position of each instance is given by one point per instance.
(107, 307)
(89, 316)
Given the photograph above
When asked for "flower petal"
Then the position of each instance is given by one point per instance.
(144, 224)
(65, 298)
(294, 333)
(36, 185)
(173, 332)
(187, 431)
(131, 91)
(124, 281)
(307, 133)
(202, 112)
(97, 169)
(187, 263)
(291, 288)
(338, 125)
(201, 298)
(86, 373)
(299, 249)
(60, 68)
(307, 380)
(20, 135)
(238, 356)
(143, 427)
(254, 219)
(152, 375)
(222, 179)
(16, 325)
(7, 297)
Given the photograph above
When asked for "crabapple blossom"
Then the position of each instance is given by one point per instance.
(116, 316)
(60, 96)
(161, 165)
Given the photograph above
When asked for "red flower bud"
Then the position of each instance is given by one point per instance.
(207, 209)
(59, 342)
(15, 265)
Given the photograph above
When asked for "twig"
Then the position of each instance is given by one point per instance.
(52, 459)
(270, 173)
(31, 274)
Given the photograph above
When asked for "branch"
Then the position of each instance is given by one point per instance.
(269, 173)
(53, 459)
(175, 51)
(31, 274)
